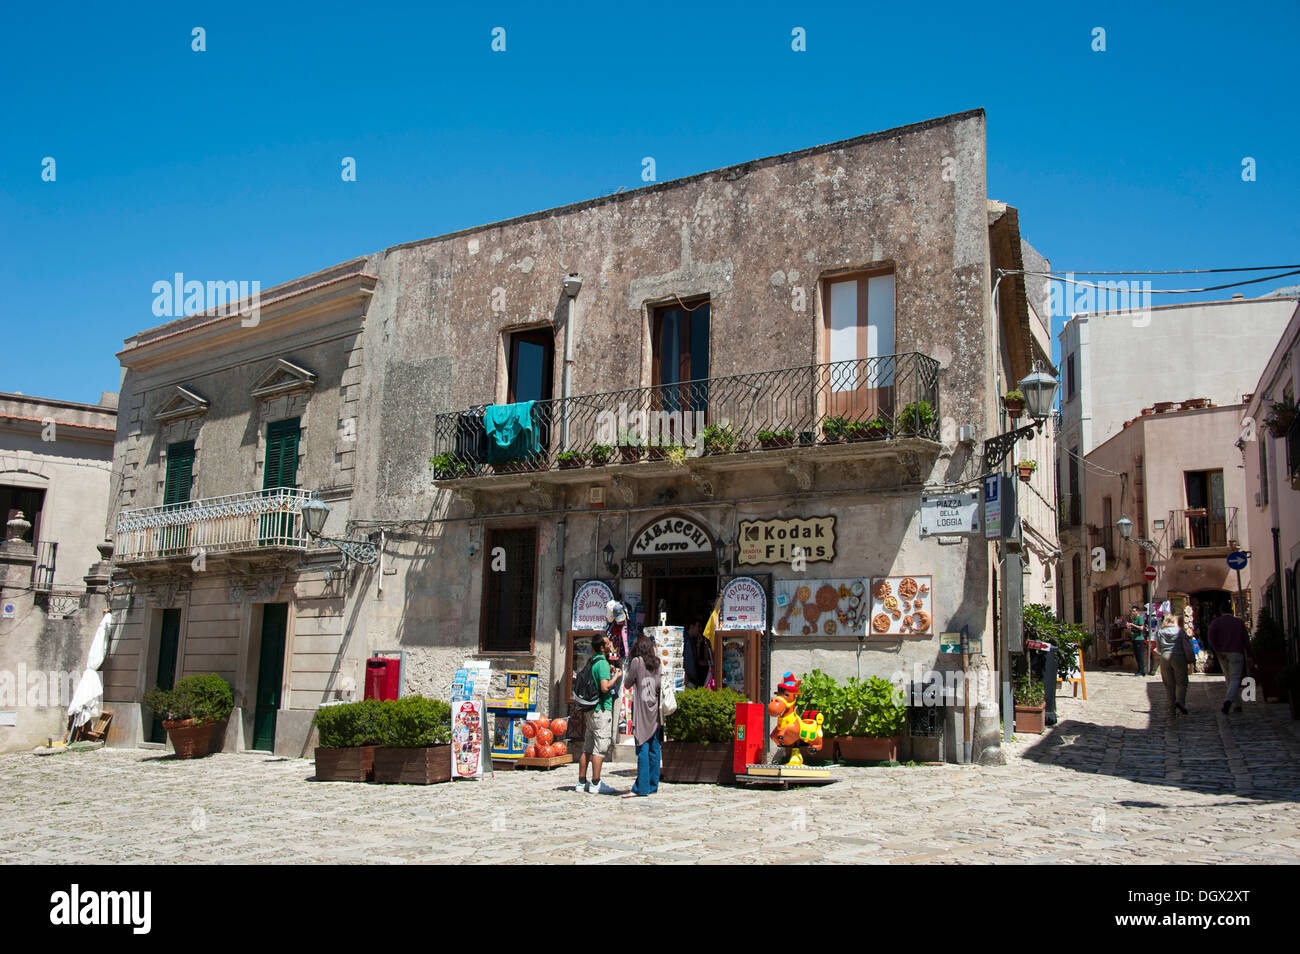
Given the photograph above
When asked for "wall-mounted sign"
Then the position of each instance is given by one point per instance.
(822, 607)
(673, 535)
(901, 606)
(999, 506)
(950, 514)
(744, 605)
(774, 541)
(8, 610)
(589, 599)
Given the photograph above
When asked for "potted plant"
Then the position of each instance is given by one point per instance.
(1026, 469)
(1070, 639)
(876, 429)
(448, 467)
(347, 734)
(875, 716)
(768, 439)
(719, 439)
(834, 428)
(1030, 705)
(1288, 683)
(675, 454)
(819, 692)
(629, 446)
(917, 419)
(1014, 402)
(700, 736)
(194, 713)
(415, 741)
(571, 460)
(1280, 417)
(600, 454)
(1267, 655)
(807, 438)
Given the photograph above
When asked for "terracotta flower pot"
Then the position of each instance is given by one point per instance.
(191, 738)
(1030, 719)
(775, 442)
(629, 455)
(825, 754)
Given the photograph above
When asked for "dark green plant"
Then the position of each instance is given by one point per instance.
(819, 692)
(875, 708)
(835, 427)
(719, 439)
(628, 437)
(571, 457)
(767, 437)
(1269, 636)
(704, 715)
(601, 453)
(1028, 690)
(1068, 638)
(917, 418)
(414, 722)
(350, 724)
(1014, 396)
(446, 465)
(206, 698)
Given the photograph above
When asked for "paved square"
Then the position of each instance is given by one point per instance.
(1116, 781)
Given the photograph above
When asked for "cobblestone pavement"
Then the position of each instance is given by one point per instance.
(1116, 781)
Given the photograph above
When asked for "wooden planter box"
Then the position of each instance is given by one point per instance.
(356, 764)
(1030, 719)
(193, 740)
(412, 766)
(857, 748)
(703, 763)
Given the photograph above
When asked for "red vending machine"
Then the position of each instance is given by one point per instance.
(749, 736)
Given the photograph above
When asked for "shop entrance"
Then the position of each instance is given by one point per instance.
(684, 589)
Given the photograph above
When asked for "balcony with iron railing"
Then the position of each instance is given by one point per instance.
(1203, 529)
(43, 569)
(844, 408)
(1293, 453)
(256, 521)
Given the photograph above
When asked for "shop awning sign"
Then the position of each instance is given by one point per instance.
(950, 515)
(589, 600)
(775, 541)
(744, 605)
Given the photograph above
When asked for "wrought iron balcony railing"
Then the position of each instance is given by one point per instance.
(1204, 528)
(257, 520)
(47, 552)
(868, 399)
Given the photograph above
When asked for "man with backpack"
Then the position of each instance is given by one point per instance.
(593, 691)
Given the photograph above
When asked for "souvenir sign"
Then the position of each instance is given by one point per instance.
(775, 541)
(744, 605)
(822, 607)
(589, 599)
(901, 606)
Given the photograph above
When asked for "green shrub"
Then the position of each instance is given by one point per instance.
(350, 724)
(766, 436)
(835, 427)
(600, 453)
(414, 722)
(719, 439)
(704, 715)
(875, 708)
(1068, 638)
(917, 418)
(819, 692)
(206, 698)
(1028, 691)
(447, 466)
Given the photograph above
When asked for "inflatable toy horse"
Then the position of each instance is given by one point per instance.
(792, 730)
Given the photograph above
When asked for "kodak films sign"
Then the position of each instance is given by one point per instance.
(775, 541)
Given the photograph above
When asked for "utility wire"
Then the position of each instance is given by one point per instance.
(1055, 276)
(1168, 271)
(1087, 463)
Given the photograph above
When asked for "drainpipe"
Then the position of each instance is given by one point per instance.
(572, 285)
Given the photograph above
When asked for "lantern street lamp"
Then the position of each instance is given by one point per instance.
(1125, 527)
(1039, 389)
(610, 566)
(314, 514)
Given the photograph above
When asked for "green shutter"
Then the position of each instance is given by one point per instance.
(180, 472)
(281, 454)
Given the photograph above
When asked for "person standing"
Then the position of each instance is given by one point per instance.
(1230, 641)
(1137, 627)
(643, 674)
(599, 729)
(1172, 643)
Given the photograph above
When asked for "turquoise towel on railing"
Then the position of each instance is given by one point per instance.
(510, 431)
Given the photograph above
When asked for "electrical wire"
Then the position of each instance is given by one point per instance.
(1167, 271)
(1087, 463)
(1056, 276)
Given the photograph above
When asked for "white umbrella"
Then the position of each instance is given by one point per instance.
(85, 704)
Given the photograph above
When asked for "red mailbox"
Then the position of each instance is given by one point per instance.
(383, 677)
(749, 736)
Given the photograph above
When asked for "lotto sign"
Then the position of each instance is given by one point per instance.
(744, 605)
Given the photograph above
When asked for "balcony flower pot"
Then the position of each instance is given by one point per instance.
(600, 454)
(1162, 406)
(1014, 402)
(1026, 469)
(807, 438)
(629, 454)
(698, 763)
(352, 764)
(416, 766)
(1030, 719)
(569, 460)
(865, 748)
(775, 439)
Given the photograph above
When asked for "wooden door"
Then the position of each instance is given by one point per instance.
(168, 646)
(270, 675)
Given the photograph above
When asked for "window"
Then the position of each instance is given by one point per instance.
(30, 501)
(509, 590)
(531, 372)
(1075, 510)
(1262, 440)
(281, 454)
(679, 352)
(1108, 527)
(1071, 383)
(180, 473)
(859, 344)
(1076, 588)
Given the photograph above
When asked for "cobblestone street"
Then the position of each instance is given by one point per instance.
(1116, 781)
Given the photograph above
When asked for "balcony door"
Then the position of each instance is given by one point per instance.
(169, 639)
(1206, 513)
(176, 494)
(270, 675)
(280, 470)
(531, 376)
(858, 344)
(679, 348)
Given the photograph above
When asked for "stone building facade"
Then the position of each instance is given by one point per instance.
(842, 293)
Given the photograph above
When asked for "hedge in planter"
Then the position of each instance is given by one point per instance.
(194, 713)
(415, 746)
(700, 737)
(819, 692)
(870, 720)
(348, 735)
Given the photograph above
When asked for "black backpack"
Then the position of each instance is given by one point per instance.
(586, 694)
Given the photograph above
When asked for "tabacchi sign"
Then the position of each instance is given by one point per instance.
(774, 541)
(671, 536)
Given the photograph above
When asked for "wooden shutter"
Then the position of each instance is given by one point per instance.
(180, 472)
(281, 454)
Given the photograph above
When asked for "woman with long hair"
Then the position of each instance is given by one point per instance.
(642, 677)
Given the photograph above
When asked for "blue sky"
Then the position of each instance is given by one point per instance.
(225, 164)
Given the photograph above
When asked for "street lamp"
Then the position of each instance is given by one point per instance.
(610, 566)
(314, 514)
(1039, 389)
(1125, 527)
